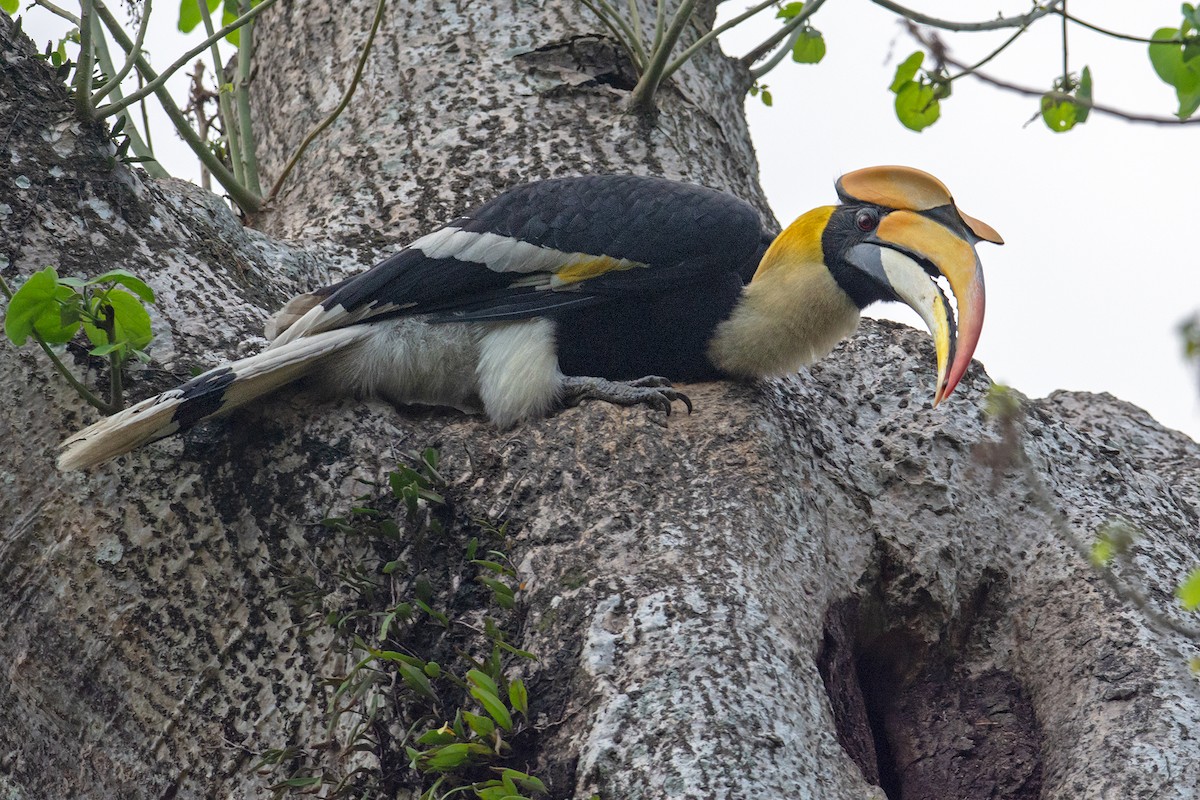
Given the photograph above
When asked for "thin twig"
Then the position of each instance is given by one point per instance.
(780, 54)
(198, 98)
(154, 85)
(660, 23)
(971, 69)
(1066, 75)
(84, 392)
(58, 12)
(620, 29)
(83, 67)
(1020, 21)
(1122, 589)
(714, 33)
(145, 113)
(248, 201)
(325, 123)
(233, 143)
(245, 58)
(1115, 34)
(642, 97)
(785, 32)
(938, 47)
(141, 149)
(115, 81)
(635, 21)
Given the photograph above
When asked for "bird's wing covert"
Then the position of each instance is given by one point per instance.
(550, 245)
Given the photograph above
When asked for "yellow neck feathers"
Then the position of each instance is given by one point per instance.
(792, 312)
(799, 242)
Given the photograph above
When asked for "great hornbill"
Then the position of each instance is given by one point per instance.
(559, 289)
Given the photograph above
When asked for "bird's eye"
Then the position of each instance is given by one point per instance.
(866, 219)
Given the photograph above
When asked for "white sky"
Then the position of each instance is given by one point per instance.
(1100, 264)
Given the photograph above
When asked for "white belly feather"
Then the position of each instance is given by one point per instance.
(508, 370)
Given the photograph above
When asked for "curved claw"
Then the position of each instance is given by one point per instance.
(651, 390)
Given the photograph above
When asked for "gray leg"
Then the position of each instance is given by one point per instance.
(651, 390)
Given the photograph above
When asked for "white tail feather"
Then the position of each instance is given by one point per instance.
(252, 377)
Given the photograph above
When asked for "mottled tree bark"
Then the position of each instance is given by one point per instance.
(807, 588)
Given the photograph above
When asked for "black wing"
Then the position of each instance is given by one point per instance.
(552, 245)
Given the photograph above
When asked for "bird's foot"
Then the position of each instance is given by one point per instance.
(651, 390)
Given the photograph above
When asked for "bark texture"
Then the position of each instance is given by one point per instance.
(462, 100)
(807, 588)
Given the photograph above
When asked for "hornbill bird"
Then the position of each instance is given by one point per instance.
(605, 287)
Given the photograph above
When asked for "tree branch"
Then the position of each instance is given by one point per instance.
(83, 68)
(1122, 589)
(1115, 34)
(784, 32)
(153, 86)
(140, 148)
(58, 12)
(1022, 21)
(248, 201)
(714, 33)
(939, 50)
(245, 57)
(971, 69)
(776, 59)
(620, 29)
(642, 98)
(115, 81)
(233, 143)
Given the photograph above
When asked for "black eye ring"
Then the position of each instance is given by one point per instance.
(866, 219)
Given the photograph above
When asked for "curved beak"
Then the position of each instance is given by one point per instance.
(907, 250)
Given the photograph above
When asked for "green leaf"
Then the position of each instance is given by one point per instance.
(481, 679)
(10, 6)
(451, 756)
(502, 592)
(494, 566)
(229, 14)
(189, 13)
(496, 792)
(37, 308)
(442, 735)
(492, 705)
(1169, 63)
(1059, 112)
(767, 99)
(127, 279)
(789, 11)
(298, 783)
(518, 696)
(1084, 93)
(1188, 592)
(526, 781)
(809, 47)
(131, 322)
(907, 71)
(917, 107)
(105, 349)
(483, 726)
(417, 680)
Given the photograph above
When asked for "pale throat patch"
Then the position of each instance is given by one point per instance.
(791, 316)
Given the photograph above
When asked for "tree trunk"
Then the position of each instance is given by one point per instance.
(810, 587)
